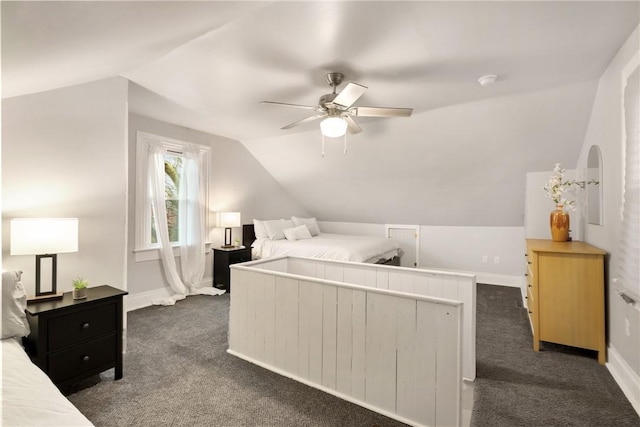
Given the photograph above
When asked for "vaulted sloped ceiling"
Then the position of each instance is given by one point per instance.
(460, 160)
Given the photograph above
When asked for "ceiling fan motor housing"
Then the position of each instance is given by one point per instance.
(334, 79)
(326, 101)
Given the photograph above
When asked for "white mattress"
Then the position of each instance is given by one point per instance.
(339, 247)
(29, 398)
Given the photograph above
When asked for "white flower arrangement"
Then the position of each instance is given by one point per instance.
(557, 186)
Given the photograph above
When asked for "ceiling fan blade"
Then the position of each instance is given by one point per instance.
(284, 104)
(353, 127)
(349, 95)
(381, 112)
(308, 119)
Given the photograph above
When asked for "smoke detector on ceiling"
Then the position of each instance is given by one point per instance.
(487, 80)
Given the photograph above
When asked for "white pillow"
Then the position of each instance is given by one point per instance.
(14, 302)
(276, 227)
(311, 224)
(259, 230)
(297, 233)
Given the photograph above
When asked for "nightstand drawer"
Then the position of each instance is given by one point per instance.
(79, 359)
(239, 256)
(83, 325)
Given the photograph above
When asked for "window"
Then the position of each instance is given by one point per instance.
(145, 232)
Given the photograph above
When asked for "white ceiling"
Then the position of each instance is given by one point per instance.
(206, 65)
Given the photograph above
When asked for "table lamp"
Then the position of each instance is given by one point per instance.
(44, 238)
(228, 220)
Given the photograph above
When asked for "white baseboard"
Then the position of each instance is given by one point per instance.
(500, 279)
(626, 378)
(143, 299)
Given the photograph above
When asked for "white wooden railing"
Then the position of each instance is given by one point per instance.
(395, 352)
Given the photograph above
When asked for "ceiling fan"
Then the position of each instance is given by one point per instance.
(337, 109)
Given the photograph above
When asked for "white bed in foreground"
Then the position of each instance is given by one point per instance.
(29, 398)
(386, 338)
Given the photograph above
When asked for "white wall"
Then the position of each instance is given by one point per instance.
(605, 130)
(238, 183)
(460, 248)
(64, 155)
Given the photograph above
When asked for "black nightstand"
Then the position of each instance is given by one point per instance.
(222, 259)
(75, 339)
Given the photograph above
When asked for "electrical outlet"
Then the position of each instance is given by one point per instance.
(626, 327)
(485, 258)
(496, 259)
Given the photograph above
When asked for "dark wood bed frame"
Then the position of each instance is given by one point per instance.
(249, 236)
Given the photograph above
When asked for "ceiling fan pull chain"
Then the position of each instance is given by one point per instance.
(323, 146)
(345, 143)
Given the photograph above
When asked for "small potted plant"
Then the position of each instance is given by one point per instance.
(236, 243)
(80, 288)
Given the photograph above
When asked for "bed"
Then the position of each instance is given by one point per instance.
(310, 242)
(29, 398)
(394, 340)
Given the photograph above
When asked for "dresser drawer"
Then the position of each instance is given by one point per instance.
(77, 360)
(83, 325)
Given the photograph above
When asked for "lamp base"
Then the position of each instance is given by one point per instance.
(227, 246)
(47, 297)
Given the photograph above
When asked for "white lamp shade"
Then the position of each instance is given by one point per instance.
(39, 236)
(333, 127)
(229, 219)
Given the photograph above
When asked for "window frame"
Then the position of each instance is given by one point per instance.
(143, 248)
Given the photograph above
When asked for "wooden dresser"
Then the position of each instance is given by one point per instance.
(565, 294)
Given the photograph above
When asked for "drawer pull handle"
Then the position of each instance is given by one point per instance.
(530, 312)
(85, 325)
(85, 358)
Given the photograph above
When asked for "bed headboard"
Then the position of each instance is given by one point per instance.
(248, 235)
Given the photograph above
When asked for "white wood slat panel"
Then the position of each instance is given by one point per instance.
(425, 373)
(303, 267)
(315, 332)
(253, 280)
(358, 340)
(329, 335)
(280, 265)
(286, 324)
(305, 299)
(449, 363)
(334, 272)
(406, 400)
(344, 336)
(261, 318)
(381, 351)
(237, 312)
(356, 275)
(382, 281)
(269, 304)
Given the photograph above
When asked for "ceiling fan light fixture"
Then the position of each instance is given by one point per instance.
(333, 127)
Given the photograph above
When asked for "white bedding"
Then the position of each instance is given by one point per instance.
(339, 247)
(29, 398)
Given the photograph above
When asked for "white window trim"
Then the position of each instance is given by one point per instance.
(144, 250)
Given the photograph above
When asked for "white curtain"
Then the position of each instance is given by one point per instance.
(628, 265)
(191, 224)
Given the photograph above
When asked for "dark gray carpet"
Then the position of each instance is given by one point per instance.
(177, 372)
(515, 386)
